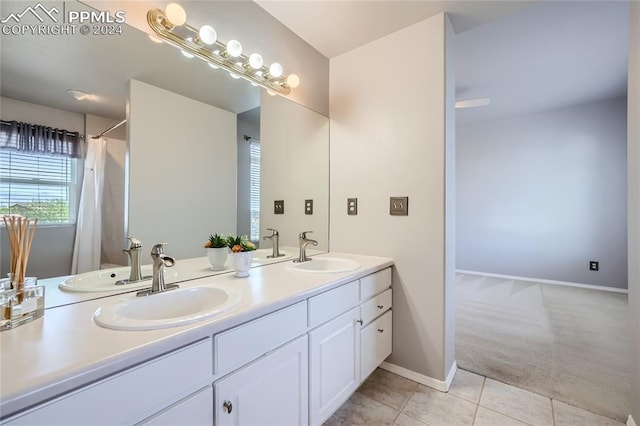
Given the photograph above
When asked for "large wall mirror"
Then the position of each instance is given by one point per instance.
(179, 169)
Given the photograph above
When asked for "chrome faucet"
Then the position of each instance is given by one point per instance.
(275, 241)
(135, 247)
(160, 260)
(303, 241)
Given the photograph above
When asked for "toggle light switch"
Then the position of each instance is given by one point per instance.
(352, 206)
(278, 207)
(399, 206)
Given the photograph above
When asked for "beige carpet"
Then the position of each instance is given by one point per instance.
(567, 343)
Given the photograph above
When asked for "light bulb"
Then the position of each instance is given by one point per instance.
(293, 81)
(234, 75)
(215, 67)
(234, 48)
(176, 14)
(275, 70)
(207, 34)
(255, 61)
(186, 54)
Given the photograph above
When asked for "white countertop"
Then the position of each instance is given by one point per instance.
(65, 349)
(185, 269)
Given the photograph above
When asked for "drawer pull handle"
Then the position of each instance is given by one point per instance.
(228, 406)
(380, 306)
(380, 330)
(359, 321)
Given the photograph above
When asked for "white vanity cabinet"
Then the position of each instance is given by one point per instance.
(345, 349)
(265, 368)
(132, 395)
(270, 391)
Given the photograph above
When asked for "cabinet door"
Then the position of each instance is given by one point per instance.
(273, 390)
(334, 364)
(375, 344)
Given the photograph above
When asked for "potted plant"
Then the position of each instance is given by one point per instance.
(241, 256)
(217, 251)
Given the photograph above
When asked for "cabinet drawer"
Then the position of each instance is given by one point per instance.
(243, 344)
(132, 395)
(375, 344)
(332, 303)
(375, 283)
(373, 308)
(196, 410)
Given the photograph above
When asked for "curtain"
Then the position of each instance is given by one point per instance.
(35, 139)
(88, 241)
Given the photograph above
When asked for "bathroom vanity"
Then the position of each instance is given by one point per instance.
(292, 351)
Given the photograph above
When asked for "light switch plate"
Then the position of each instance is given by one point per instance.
(308, 206)
(278, 207)
(399, 206)
(352, 206)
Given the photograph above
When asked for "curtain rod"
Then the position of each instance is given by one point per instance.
(247, 138)
(115, 126)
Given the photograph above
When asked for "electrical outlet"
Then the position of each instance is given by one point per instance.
(278, 207)
(594, 265)
(308, 206)
(352, 206)
(399, 206)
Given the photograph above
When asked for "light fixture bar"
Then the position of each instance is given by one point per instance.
(157, 20)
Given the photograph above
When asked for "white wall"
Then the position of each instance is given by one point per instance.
(182, 170)
(543, 194)
(249, 128)
(43, 261)
(294, 166)
(388, 139)
(633, 158)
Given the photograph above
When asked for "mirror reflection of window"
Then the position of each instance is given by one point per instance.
(38, 172)
(254, 189)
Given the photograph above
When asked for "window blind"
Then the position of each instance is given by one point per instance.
(254, 196)
(38, 186)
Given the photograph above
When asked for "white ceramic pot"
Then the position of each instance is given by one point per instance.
(217, 257)
(241, 262)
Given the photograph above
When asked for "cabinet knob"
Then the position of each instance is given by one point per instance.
(380, 330)
(228, 406)
(359, 321)
(380, 306)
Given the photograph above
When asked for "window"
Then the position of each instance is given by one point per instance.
(37, 179)
(254, 196)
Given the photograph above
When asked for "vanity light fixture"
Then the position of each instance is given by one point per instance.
(170, 26)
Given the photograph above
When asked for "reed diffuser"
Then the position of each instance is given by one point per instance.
(21, 298)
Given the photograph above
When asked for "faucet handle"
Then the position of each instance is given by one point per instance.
(273, 231)
(135, 243)
(303, 235)
(158, 249)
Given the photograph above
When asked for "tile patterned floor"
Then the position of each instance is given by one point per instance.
(388, 399)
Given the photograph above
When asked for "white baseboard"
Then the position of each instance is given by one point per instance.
(442, 386)
(542, 281)
(630, 421)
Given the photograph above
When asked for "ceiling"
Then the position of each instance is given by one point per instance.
(527, 56)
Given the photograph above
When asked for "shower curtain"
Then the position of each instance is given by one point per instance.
(88, 241)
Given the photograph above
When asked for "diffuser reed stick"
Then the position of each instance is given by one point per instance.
(20, 232)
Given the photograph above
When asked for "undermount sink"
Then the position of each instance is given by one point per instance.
(168, 309)
(261, 255)
(106, 279)
(327, 265)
